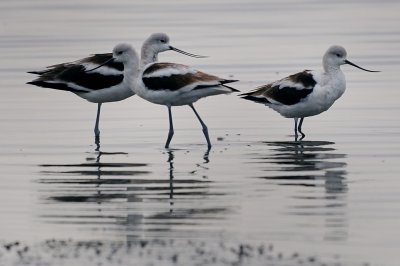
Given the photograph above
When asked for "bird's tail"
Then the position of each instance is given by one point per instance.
(252, 97)
(226, 81)
(54, 85)
(39, 72)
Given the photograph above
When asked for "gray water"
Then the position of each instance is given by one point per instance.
(334, 195)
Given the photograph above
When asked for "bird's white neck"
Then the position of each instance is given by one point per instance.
(147, 56)
(331, 69)
(131, 72)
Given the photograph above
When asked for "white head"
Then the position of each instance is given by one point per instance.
(157, 43)
(125, 53)
(335, 57)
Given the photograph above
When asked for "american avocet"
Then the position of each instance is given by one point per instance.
(109, 81)
(172, 84)
(99, 78)
(307, 93)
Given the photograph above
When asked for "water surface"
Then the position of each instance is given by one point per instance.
(334, 195)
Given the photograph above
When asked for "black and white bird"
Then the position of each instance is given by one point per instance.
(103, 78)
(173, 84)
(306, 93)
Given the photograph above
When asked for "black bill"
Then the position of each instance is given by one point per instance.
(106, 62)
(350, 63)
(186, 53)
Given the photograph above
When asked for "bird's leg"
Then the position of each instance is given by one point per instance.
(96, 127)
(299, 128)
(295, 129)
(205, 129)
(171, 128)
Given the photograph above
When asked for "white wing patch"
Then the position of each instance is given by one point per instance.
(104, 70)
(288, 83)
(170, 70)
(69, 84)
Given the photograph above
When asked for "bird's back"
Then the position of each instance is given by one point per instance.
(287, 91)
(76, 77)
(176, 84)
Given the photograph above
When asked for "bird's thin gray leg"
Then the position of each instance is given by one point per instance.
(295, 129)
(96, 127)
(171, 128)
(205, 129)
(299, 128)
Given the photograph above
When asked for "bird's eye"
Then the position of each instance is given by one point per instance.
(163, 41)
(338, 55)
(119, 53)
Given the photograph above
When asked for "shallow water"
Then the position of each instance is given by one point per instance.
(334, 195)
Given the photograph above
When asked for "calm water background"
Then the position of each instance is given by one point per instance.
(336, 194)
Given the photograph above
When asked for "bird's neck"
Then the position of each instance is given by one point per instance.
(331, 69)
(131, 72)
(147, 56)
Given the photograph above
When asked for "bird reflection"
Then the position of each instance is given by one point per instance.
(170, 161)
(92, 181)
(190, 200)
(300, 163)
(310, 165)
(128, 196)
(171, 178)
